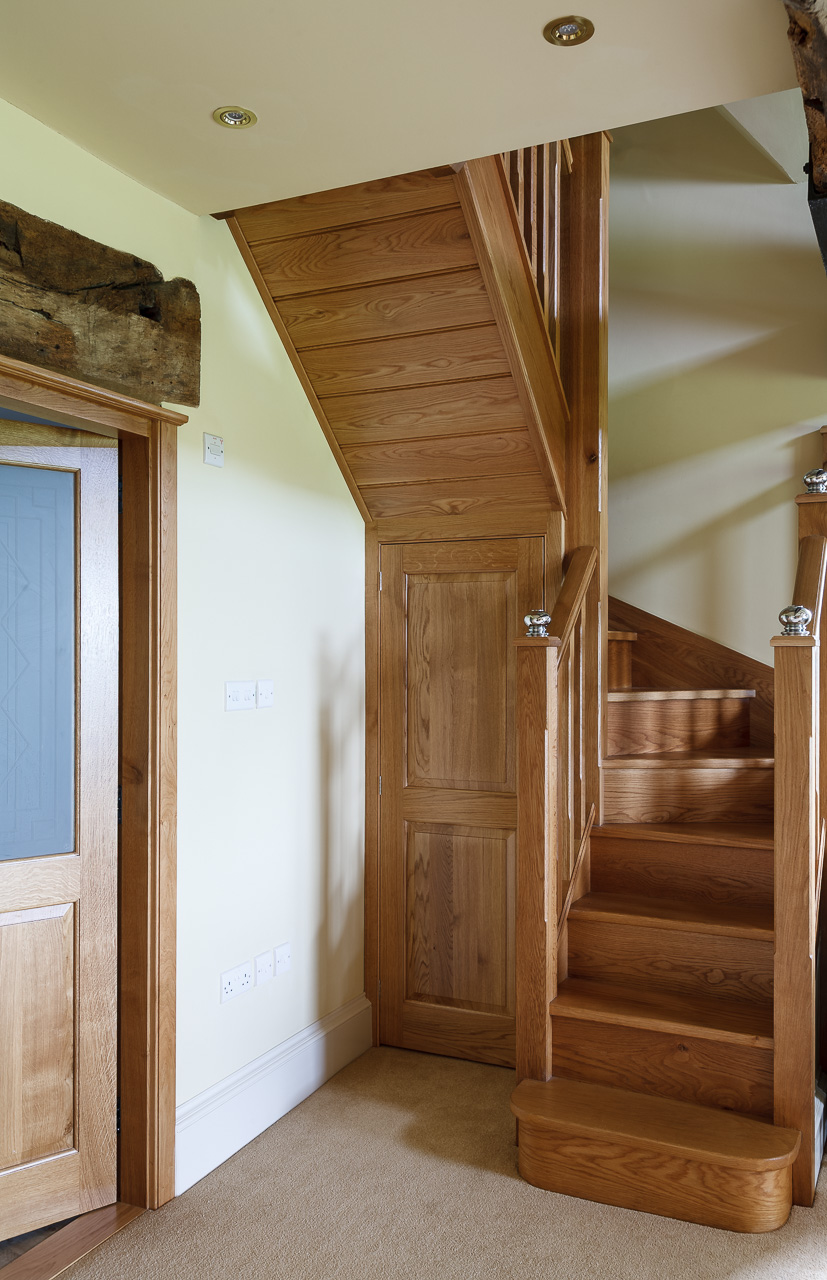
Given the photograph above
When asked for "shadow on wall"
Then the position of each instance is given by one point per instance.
(699, 146)
(339, 939)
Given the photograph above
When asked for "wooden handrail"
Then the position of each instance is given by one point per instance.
(572, 593)
(809, 578)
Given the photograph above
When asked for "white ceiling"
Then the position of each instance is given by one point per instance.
(348, 92)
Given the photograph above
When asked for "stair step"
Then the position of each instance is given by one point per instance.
(652, 721)
(622, 635)
(697, 963)
(748, 835)
(679, 695)
(659, 1155)
(698, 1050)
(663, 913)
(697, 863)
(702, 1017)
(689, 786)
(743, 758)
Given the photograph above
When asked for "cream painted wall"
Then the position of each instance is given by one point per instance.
(718, 376)
(270, 841)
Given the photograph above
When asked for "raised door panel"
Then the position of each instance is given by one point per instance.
(450, 613)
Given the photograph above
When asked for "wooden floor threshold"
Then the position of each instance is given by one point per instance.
(52, 1256)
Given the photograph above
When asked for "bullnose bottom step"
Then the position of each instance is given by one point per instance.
(657, 1155)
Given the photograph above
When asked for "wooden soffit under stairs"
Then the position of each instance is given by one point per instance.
(411, 316)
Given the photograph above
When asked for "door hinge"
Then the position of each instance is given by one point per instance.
(380, 784)
(120, 806)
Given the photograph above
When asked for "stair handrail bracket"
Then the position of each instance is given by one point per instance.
(558, 782)
(799, 656)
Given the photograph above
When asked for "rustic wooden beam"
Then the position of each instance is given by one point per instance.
(82, 309)
(807, 33)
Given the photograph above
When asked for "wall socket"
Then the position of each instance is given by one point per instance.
(283, 959)
(235, 981)
(264, 967)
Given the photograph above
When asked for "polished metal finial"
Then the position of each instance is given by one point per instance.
(816, 480)
(537, 621)
(795, 619)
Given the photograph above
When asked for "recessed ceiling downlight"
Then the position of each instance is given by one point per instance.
(568, 31)
(234, 117)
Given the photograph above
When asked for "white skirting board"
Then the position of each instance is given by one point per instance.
(220, 1121)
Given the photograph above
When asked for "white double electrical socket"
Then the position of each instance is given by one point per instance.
(235, 981)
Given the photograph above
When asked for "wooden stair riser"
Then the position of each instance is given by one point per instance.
(712, 1073)
(642, 728)
(620, 1174)
(671, 960)
(687, 795)
(695, 873)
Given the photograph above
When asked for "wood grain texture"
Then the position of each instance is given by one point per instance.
(745, 835)
(37, 1033)
(796, 783)
(44, 883)
(478, 1037)
(419, 359)
(61, 1250)
(716, 873)
(343, 206)
(500, 251)
(473, 808)
(671, 795)
(293, 356)
(666, 1012)
(666, 655)
(619, 1173)
(487, 496)
(619, 669)
(666, 1065)
(417, 413)
(536, 730)
(657, 724)
(507, 520)
(687, 963)
(33, 433)
(583, 327)
(451, 457)
(77, 404)
(726, 920)
(449, 300)
(46, 1191)
(416, 244)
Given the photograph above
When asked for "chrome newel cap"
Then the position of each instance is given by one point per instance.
(816, 480)
(795, 619)
(537, 621)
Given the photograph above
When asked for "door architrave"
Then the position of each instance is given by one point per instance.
(147, 768)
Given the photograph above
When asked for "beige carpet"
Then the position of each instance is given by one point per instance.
(402, 1166)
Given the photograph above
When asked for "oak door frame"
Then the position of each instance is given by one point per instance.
(147, 766)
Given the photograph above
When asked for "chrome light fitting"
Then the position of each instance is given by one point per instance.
(234, 117)
(568, 31)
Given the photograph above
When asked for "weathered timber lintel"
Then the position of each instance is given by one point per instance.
(83, 309)
(807, 33)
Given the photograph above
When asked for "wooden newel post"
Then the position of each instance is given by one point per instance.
(796, 852)
(536, 957)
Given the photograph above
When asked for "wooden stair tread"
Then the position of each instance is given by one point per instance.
(732, 758)
(662, 913)
(622, 635)
(684, 1129)
(748, 835)
(704, 1018)
(677, 695)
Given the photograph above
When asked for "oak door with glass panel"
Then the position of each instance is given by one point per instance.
(449, 614)
(58, 830)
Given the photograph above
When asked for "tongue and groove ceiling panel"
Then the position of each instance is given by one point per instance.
(345, 94)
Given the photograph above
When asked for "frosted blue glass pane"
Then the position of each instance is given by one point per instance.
(37, 662)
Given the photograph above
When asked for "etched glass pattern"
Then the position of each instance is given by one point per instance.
(37, 662)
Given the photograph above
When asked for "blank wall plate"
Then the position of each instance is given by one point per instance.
(239, 695)
(265, 693)
(283, 958)
(264, 967)
(213, 450)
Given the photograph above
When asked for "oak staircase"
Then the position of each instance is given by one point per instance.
(449, 330)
